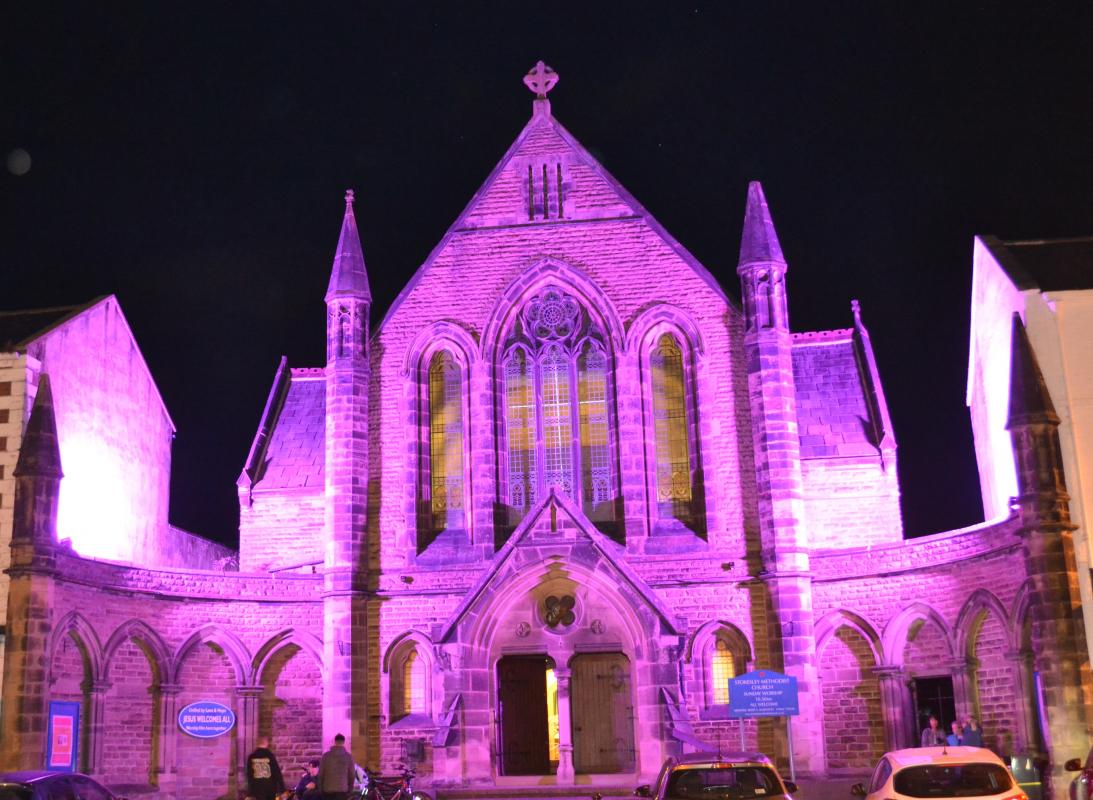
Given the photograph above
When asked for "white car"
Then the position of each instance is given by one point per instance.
(940, 772)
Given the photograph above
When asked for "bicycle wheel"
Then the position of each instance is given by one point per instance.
(420, 795)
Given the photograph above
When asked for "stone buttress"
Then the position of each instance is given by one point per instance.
(348, 301)
(1058, 642)
(783, 535)
(30, 604)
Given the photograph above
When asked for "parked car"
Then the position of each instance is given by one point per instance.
(940, 772)
(1080, 786)
(717, 776)
(42, 785)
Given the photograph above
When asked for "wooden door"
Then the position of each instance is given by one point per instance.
(522, 708)
(601, 704)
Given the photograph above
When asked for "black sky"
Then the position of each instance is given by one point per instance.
(191, 158)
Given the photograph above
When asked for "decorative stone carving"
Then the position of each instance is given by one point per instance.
(558, 611)
(523, 630)
(551, 315)
(597, 627)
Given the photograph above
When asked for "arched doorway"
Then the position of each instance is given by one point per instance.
(602, 704)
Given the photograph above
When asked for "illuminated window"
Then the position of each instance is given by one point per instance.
(553, 726)
(445, 443)
(594, 433)
(671, 433)
(722, 670)
(520, 431)
(557, 421)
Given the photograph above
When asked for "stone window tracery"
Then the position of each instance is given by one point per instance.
(557, 408)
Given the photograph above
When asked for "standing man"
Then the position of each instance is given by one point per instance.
(264, 780)
(973, 734)
(336, 771)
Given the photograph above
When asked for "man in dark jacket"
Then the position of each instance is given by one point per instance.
(336, 771)
(264, 780)
(307, 788)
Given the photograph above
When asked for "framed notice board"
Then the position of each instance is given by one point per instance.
(63, 738)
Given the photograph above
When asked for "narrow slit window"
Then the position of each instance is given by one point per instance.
(546, 189)
(531, 193)
(558, 191)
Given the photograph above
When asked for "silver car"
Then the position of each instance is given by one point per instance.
(718, 776)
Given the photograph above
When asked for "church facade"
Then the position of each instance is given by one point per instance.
(523, 531)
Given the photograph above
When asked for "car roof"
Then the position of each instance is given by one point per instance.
(724, 757)
(27, 775)
(917, 756)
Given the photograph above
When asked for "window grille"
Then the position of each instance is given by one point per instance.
(520, 430)
(557, 422)
(722, 670)
(595, 450)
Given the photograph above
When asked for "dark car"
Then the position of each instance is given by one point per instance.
(41, 785)
(718, 776)
(1080, 786)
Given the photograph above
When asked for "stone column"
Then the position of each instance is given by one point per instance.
(96, 711)
(168, 735)
(963, 689)
(565, 728)
(248, 702)
(1025, 725)
(892, 706)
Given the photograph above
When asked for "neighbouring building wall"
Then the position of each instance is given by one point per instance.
(115, 437)
(995, 298)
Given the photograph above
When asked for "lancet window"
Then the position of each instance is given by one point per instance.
(409, 686)
(557, 408)
(672, 432)
(442, 484)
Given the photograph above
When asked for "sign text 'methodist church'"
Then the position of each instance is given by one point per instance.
(524, 530)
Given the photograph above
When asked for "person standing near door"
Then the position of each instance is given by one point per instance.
(932, 735)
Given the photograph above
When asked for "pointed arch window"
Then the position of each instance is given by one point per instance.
(442, 484)
(409, 686)
(672, 439)
(557, 409)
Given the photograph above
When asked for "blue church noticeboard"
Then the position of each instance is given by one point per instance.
(763, 693)
(62, 739)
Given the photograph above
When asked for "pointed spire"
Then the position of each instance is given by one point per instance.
(40, 454)
(759, 243)
(1030, 401)
(349, 277)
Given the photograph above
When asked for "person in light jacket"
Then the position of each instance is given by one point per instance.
(932, 735)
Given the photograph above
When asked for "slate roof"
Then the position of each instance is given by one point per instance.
(18, 328)
(1050, 265)
(833, 408)
(288, 452)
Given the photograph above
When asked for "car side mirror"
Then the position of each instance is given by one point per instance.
(791, 787)
(1073, 765)
(643, 791)
(858, 790)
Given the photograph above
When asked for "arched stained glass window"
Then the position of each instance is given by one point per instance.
(557, 420)
(594, 432)
(557, 408)
(673, 450)
(520, 430)
(445, 442)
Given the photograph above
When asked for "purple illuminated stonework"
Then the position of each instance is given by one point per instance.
(524, 530)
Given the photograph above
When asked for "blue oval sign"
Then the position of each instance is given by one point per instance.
(206, 719)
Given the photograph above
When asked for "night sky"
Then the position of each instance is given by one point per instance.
(191, 158)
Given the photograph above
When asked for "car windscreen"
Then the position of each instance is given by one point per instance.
(953, 780)
(14, 791)
(722, 782)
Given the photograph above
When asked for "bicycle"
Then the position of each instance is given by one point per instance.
(400, 788)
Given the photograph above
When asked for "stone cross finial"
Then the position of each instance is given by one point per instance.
(855, 309)
(541, 79)
(349, 197)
